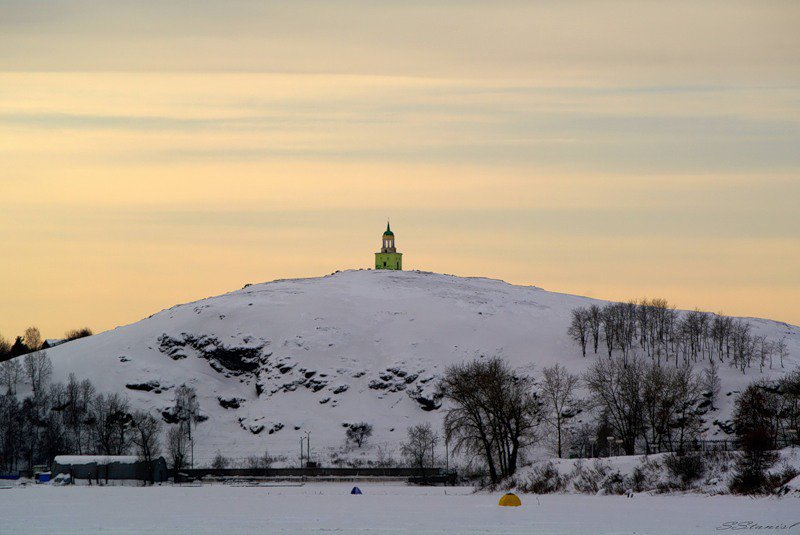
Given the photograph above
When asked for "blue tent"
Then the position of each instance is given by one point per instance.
(355, 490)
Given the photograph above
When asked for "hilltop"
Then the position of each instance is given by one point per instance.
(274, 360)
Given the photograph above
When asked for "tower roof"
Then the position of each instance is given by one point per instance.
(388, 230)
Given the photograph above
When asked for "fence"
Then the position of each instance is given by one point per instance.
(705, 445)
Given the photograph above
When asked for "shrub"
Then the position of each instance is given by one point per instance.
(220, 461)
(77, 333)
(749, 479)
(645, 476)
(356, 462)
(687, 468)
(544, 479)
(588, 480)
(787, 473)
(751, 466)
(358, 433)
(384, 458)
(613, 483)
(260, 461)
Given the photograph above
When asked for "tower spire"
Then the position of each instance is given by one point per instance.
(388, 257)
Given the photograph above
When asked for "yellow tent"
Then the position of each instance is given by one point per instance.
(510, 500)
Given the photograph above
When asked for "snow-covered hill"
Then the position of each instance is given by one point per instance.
(273, 361)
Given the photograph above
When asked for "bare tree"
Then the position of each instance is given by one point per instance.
(186, 405)
(579, 327)
(80, 396)
(187, 411)
(54, 439)
(178, 446)
(609, 327)
(111, 422)
(38, 368)
(742, 345)
(385, 457)
(5, 348)
(616, 388)
(664, 334)
(658, 401)
(146, 431)
(494, 413)
(358, 433)
(582, 440)
(11, 432)
(32, 338)
(686, 387)
(10, 375)
(625, 318)
(419, 446)
(557, 389)
(595, 317)
(782, 350)
(712, 382)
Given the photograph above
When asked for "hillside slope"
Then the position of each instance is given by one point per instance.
(274, 360)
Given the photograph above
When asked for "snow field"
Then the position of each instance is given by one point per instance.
(383, 508)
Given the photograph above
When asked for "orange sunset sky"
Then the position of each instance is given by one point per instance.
(153, 153)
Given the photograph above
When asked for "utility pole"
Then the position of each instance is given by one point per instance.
(191, 417)
(308, 447)
(301, 452)
(192, 402)
(191, 445)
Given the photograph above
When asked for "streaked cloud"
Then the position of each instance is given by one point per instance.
(616, 148)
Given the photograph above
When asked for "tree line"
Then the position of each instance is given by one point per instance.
(73, 418)
(653, 328)
(31, 340)
(644, 406)
(495, 414)
(637, 405)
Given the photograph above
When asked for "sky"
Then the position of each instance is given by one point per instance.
(158, 152)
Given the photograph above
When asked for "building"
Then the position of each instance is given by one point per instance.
(388, 258)
(107, 467)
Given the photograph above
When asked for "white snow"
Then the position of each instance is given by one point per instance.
(792, 487)
(349, 347)
(324, 508)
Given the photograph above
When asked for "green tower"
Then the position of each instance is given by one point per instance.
(388, 258)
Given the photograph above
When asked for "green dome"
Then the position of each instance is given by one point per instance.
(388, 230)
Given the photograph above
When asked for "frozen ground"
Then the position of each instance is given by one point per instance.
(383, 508)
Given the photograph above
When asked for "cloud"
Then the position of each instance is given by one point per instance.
(628, 147)
(575, 40)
